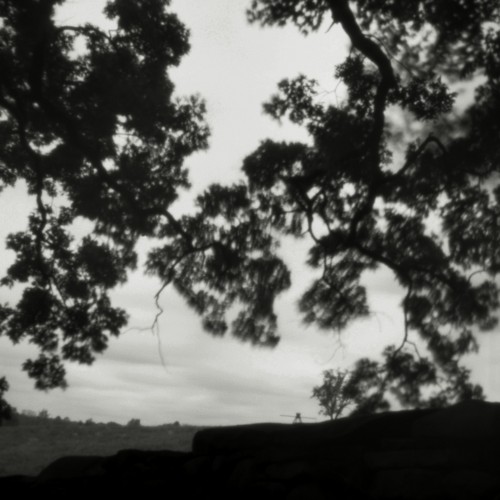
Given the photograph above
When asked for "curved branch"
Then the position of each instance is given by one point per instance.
(405, 314)
(342, 13)
(431, 139)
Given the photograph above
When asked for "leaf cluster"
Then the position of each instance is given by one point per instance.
(89, 122)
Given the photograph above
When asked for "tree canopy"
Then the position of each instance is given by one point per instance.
(89, 122)
(403, 174)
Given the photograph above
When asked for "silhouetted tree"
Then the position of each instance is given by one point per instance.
(44, 415)
(5, 408)
(100, 130)
(421, 201)
(134, 422)
(90, 123)
(331, 394)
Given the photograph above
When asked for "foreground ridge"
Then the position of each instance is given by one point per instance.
(450, 453)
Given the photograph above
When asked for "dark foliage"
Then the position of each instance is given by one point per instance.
(89, 122)
(5, 409)
(332, 396)
(432, 218)
(101, 130)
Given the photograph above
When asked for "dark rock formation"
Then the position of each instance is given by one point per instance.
(413, 455)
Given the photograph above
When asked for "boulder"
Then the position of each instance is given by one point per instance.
(317, 438)
(469, 420)
(72, 467)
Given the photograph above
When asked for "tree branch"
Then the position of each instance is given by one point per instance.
(342, 13)
(405, 314)
(431, 139)
(36, 167)
(84, 30)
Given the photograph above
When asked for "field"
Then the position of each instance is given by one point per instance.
(34, 442)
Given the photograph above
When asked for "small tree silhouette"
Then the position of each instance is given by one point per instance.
(134, 422)
(331, 395)
(5, 408)
(44, 414)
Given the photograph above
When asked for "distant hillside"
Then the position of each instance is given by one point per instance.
(30, 442)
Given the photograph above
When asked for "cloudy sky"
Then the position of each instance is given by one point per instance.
(183, 373)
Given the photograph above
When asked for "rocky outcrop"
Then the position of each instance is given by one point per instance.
(414, 455)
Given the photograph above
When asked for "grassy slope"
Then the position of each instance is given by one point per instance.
(30, 446)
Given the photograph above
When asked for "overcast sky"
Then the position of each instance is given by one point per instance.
(205, 380)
